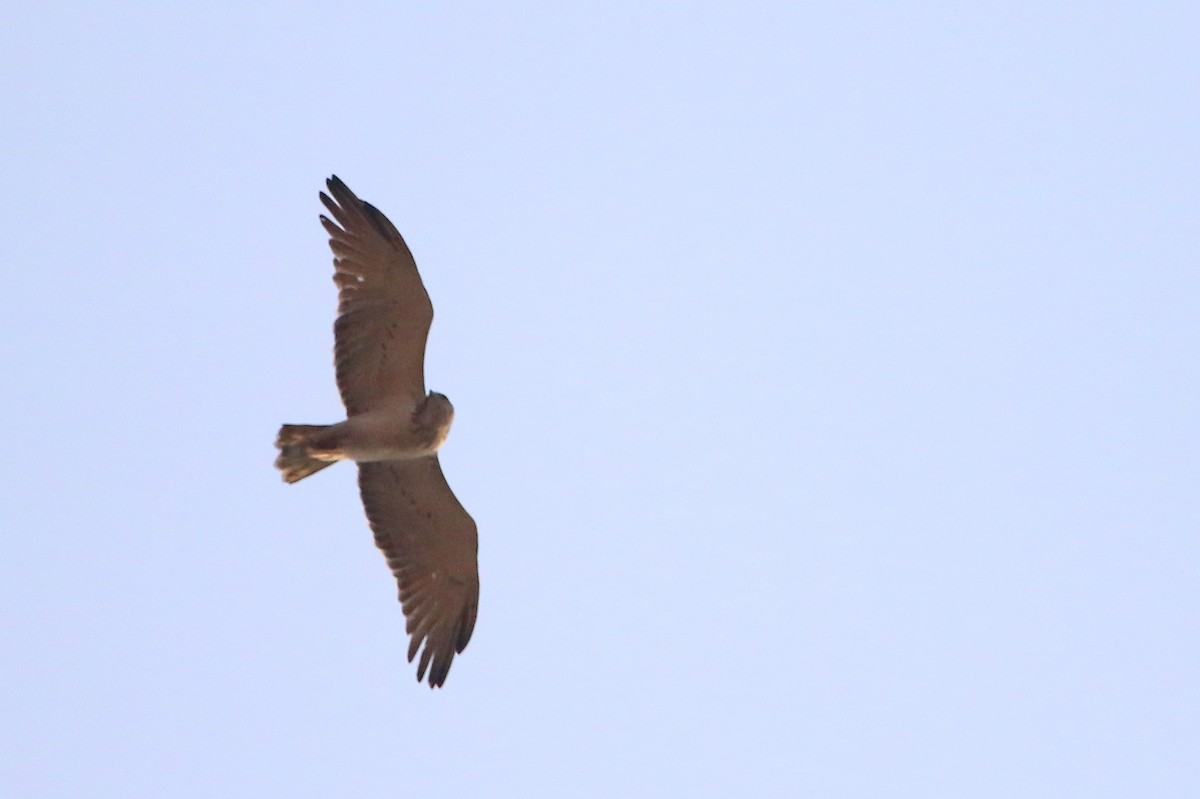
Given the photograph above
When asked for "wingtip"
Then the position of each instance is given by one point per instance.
(437, 677)
(342, 196)
(336, 185)
(432, 670)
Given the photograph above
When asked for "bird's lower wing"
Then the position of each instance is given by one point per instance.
(430, 543)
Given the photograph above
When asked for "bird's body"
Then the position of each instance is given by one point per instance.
(393, 430)
(385, 434)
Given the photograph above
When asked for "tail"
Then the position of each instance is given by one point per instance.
(296, 460)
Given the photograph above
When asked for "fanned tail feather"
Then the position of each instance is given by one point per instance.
(295, 455)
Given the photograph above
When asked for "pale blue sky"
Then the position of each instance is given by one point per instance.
(826, 378)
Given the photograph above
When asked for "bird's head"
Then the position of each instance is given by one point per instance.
(435, 412)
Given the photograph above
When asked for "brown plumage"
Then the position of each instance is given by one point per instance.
(393, 429)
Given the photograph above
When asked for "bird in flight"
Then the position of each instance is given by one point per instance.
(393, 431)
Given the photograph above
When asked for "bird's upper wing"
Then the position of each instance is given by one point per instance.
(430, 542)
(384, 312)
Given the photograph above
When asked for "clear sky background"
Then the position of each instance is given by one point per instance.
(826, 378)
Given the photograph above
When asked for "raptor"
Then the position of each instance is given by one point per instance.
(393, 430)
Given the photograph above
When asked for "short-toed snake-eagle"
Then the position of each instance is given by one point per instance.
(393, 430)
